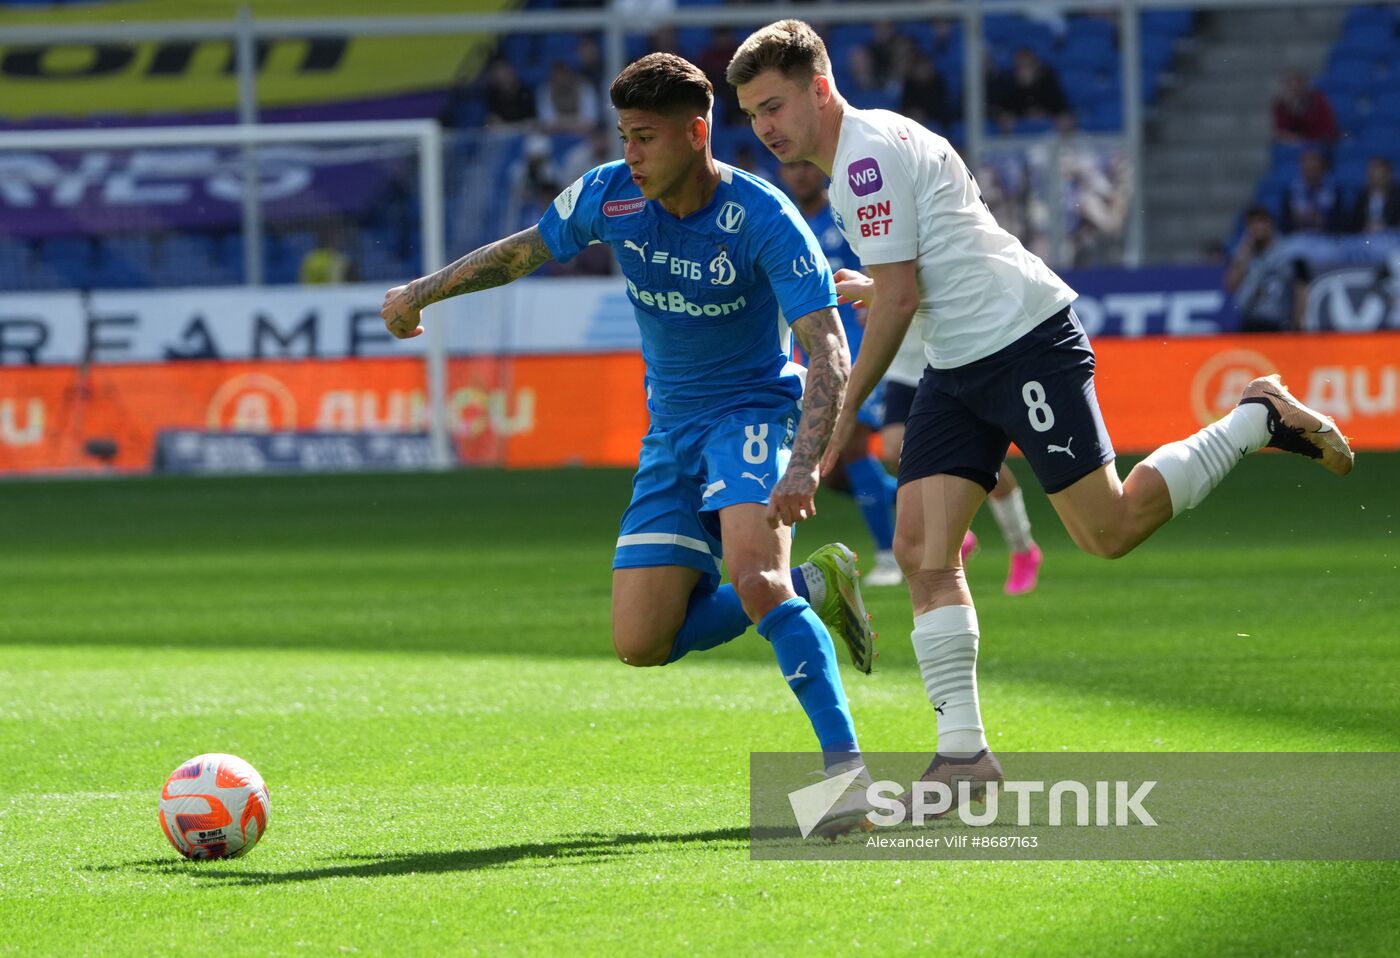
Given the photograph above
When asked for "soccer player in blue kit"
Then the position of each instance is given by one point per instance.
(719, 268)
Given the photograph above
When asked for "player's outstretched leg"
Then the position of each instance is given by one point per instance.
(1009, 509)
(841, 608)
(1109, 520)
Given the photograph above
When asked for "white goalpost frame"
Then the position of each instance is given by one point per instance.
(427, 134)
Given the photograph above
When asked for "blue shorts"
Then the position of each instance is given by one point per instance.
(899, 397)
(689, 472)
(1038, 393)
(872, 411)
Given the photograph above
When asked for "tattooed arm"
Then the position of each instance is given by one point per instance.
(493, 265)
(829, 366)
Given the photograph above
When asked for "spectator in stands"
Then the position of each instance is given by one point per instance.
(590, 61)
(1378, 207)
(1312, 201)
(327, 262)
(565, 102)
(1031, 91)
(536, 173)
(924, 96)
(664, 39)
(1269, 292)
(601, 146)
(890, 56)
(508, 103)
(713, 60)
(1303, 114)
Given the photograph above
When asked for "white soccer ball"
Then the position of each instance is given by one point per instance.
(214, 806)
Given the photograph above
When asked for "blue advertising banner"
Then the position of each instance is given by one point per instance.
(1155, 301)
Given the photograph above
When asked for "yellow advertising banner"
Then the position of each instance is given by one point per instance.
(170, 75)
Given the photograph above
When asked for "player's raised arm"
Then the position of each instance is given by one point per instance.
(829, 367)
(492, 265)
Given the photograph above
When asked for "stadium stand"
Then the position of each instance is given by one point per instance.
(1082, 49)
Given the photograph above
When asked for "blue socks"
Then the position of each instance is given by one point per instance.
(870, 487)
(807, 658)
(711, 619)
(714, 618)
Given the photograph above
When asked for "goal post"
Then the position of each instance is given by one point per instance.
(424, 135)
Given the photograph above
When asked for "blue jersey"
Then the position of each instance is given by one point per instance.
(710, 291)
(840, 256)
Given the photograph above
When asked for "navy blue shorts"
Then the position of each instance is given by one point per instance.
(899, 397)
(1038, 393)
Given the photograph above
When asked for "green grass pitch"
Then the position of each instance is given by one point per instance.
(419, 665)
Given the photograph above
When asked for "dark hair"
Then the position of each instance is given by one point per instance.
(663, 83)
(1256, 211)
(789, 46)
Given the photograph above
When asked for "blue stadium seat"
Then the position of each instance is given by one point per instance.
(1382, 139)
(1168, 23)
(1350, 175)
(1092, 30)
(1103, 117)
(1348, 75)
(1368, 43)
(1385, 108)
(1373, 18)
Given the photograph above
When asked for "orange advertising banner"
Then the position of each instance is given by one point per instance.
(1155, 391)
(543, 411)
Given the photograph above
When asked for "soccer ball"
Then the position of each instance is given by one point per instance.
(214, 806)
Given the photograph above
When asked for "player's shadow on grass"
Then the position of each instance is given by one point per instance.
(588, 848)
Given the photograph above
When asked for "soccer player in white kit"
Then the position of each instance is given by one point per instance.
(1007, 362)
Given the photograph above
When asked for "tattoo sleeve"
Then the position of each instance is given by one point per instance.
(829, 366)
(492, 265)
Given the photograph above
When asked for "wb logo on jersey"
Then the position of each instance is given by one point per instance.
(722, 272)
(731, 217)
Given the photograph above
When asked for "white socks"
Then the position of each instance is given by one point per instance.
(1010, 514)
(945, 643)
(1195, 465)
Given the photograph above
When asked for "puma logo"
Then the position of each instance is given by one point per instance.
(797, 673)
(761, 481)
(1051, 447)
(641, 250)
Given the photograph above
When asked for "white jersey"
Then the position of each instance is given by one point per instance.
(907, 367)
(900, 192)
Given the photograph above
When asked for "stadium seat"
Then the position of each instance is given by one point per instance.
(1350, 174)
(1168, 23)
(1382, 139)
(1366, 43)
(1373, 18)
(1347, 76)
(1385, 108)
